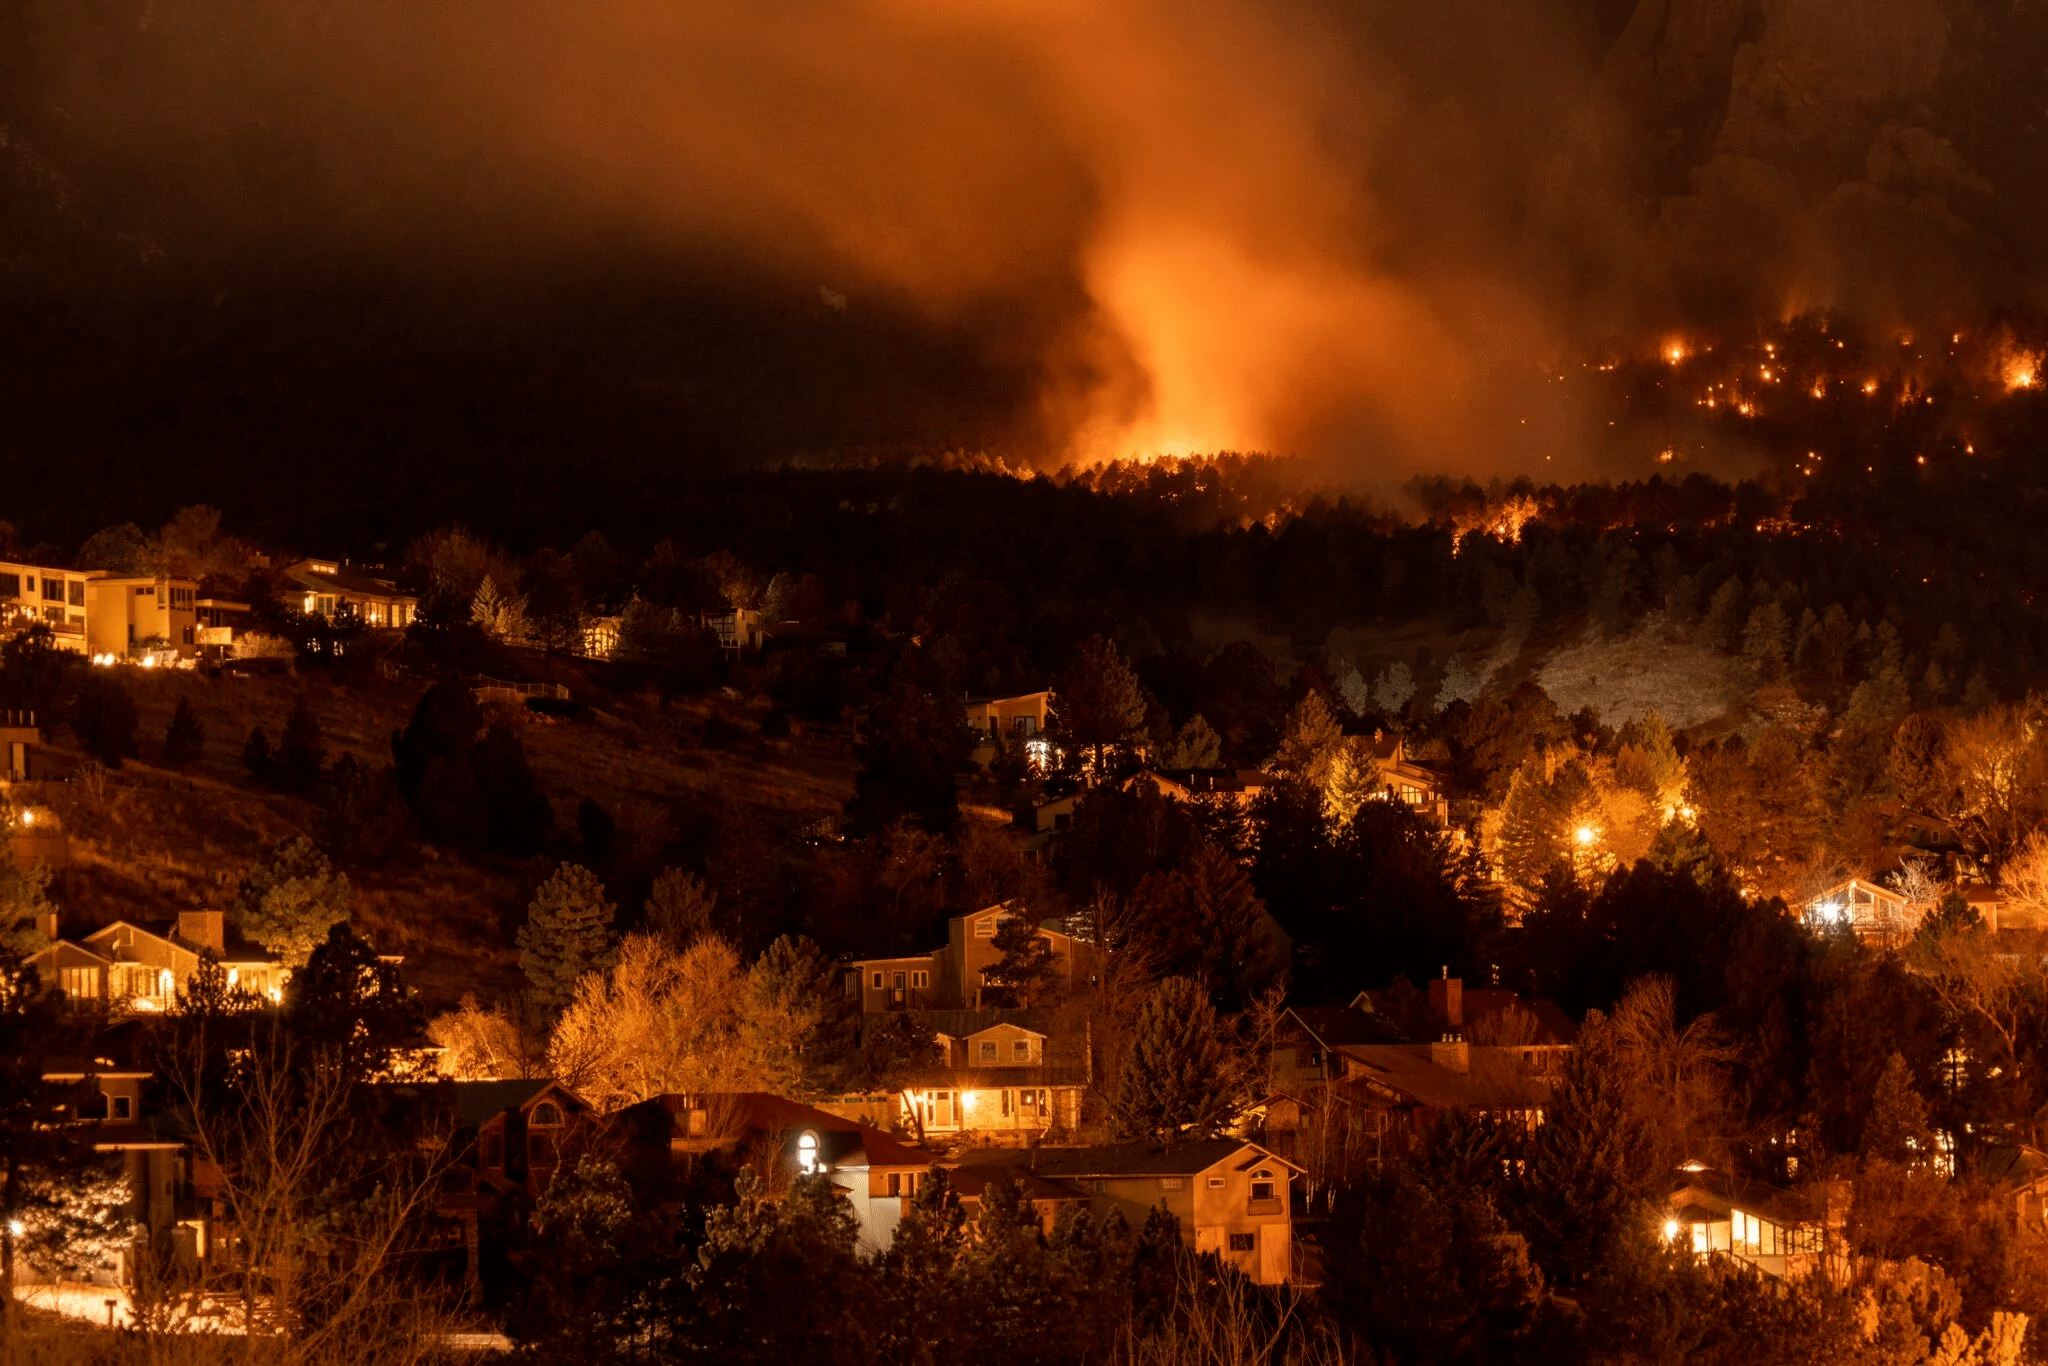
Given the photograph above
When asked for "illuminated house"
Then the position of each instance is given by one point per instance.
(953, 977)
(130, 967)
(1408, 782)
(738, 629)
(780, 1139)
(1867, 909)
(54, 597)
(321, 588)
(1780, 1233)
(126, 613)
(1020, 719)
(1232, 1197)
(1235, 785)
(995, 1078)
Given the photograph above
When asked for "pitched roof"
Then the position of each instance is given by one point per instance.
(477, 1102)
(735, 1114)
(972, 1182)
(996, 1078)
(341, 578)
(958, 1024)
(1112, 1160)
(1496, 1078)
(1332, 1026)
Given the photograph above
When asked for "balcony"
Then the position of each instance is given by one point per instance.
(1264, 1207)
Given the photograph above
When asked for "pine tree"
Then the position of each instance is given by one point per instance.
(292, 899)
(1394, 686)
(1096, 701)
(1178, 1080)
(1896, 1129)
(679, 908)
(1026, 971)
(185, 739)
(256, 755)
(568, 932)
(1310, 741)
(1194, 745)
(301, 756)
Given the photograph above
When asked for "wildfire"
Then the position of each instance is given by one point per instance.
(1674, 351)
(1503, 521)
(2021, 369)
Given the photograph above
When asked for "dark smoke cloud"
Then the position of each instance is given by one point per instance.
(1365, 231)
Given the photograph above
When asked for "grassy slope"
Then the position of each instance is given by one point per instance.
(155, 842)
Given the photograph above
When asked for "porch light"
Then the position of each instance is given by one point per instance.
(1585, 834)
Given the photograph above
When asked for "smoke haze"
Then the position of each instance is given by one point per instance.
(1370, 232)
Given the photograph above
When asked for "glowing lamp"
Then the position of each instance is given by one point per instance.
(16, 1227)
(1585, 834)
(1670, 1230)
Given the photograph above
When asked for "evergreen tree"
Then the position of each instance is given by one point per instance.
(1394, 686)
(185, 739)
(256, 755)
(568, 932)
(25, 906)
(1179, 1078)
(352, 1005)
(908, 752)
(444, 725)
(292, 899)
(1897, 1129)
(1096, 701)
(517, 813)
(1310, 742)
(1027, 969)
(301, 755)
(1194, 745)
(737, 1307)
(1588, 1181)
(679, 908)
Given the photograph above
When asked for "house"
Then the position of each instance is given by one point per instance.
(1235, 785)
(1867, 909)
(135, 614)
(995, 1078)
(1403, 780)
(1781, 1233)
(1485, 1015)
(2019, 1173)
(123, 966)
(953, 977)
(1019, 716)
(323, 588)
(738, 629)
(19, 735)
(37, 838)
(1232, 1197)
(31, 594)
(220, 621)
(877, 1175)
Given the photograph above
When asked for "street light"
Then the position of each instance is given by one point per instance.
(1585, 834)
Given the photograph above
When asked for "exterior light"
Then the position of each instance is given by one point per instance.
(28, 816)
(1585, 834)
(1670, 1230)
(15, 1228)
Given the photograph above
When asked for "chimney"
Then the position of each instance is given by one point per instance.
(1451, 1053)
(47, 921)
(204, 930)
(1447, 1000)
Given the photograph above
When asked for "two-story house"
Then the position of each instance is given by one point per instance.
(55, 598)
(995, 1079)
(1781, 1233)
(1867, 909)
(955, 977)
(123, 966)
(130, 614)
(1232, 1197)
(1403, 780)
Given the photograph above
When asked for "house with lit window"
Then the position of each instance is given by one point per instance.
(998, 1078)
(123, 966)
(1867, 909)
(323, 588)
(954, 977)
(738, 629)
(781, 1139)
(1781, 1233)
(1021, 719)
(56, 598)
(134, 614)
(1237, 786)
(1232, 1197)
(1414, 785)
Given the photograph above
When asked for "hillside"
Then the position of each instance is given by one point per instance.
(146, 841)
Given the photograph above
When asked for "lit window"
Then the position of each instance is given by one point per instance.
(1262, 1185)
(807, 1152)
(1020, 1051)
(1242, 1242)
(546, 1114)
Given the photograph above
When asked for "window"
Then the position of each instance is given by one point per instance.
(1242, 1242)
(55, 614)
(10, 585)
(878, 981)
(807, 1152)
(124, 1107)
(1027, 725)
(540, 1150)
(145, 592)
(1101, 1186)
(1217, 1183)
(1172, 1183)
(1027, 1101)
(53, 590)
(895, 1183)
(985, 928)
(920, 979)
(988, 1051)
(546, 1115)
(1262, 1185)
(82, 984)
(1020, 1051)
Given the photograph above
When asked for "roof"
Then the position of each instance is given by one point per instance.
(1496, 1079)
(1203, 780)
(971, 1183)
(1710, 1190)
(1111, 1160)
(738, 1113)
(234, 948)
(341, 578)
(960, 1024)
(478, 1102)
(1332, 1026)
(996, 1078)
(991, 699)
